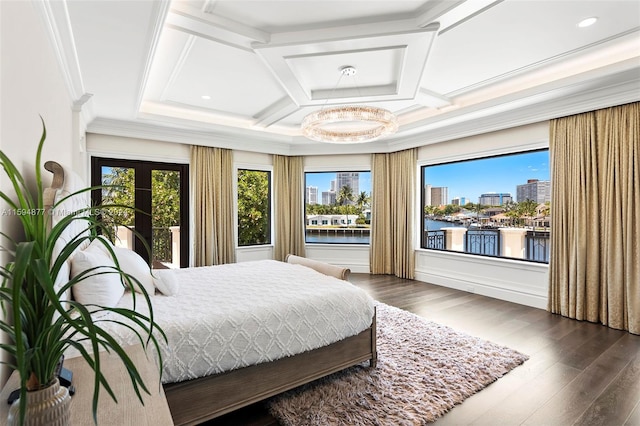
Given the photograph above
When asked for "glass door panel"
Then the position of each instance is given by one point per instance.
(165, 218)
(119, 189)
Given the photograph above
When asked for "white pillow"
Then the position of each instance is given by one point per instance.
(99, 244)
(166, 282)
(104, 289)
(133, 264)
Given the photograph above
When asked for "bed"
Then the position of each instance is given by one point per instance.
(273, 325)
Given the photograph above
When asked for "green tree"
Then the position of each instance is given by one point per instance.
(119, 189)
(254, 223)
(528, 208)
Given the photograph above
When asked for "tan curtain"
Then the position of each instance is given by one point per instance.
(594, 271)
(212, 183)
(288, 188)
(392, 212)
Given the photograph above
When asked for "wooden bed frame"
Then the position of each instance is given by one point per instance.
(195, 401)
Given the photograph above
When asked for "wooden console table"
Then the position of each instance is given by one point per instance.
(128, 410)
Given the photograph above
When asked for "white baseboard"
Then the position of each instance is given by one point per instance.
(484, 289)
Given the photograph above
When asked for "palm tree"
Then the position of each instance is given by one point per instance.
(363, 200)
(345, 195)
(476, 208)
(528, 208)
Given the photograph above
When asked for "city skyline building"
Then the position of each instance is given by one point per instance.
(495, 198)
(328, 197)
(534, 190)
(459, 201)
(439, 195)
(351, 179)
(311, 195)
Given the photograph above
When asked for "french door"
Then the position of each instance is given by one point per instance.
(160, 195)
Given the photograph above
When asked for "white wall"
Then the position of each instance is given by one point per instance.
(138, 149)
(515, 281)
(31, 85)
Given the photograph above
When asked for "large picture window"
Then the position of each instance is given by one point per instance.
(337, 207)
(495, 206)
(254, 207)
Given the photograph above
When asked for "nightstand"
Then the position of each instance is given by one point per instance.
(128, 411)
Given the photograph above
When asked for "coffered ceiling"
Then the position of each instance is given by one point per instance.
(243, 74)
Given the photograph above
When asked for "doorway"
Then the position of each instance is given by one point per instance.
(159, 195)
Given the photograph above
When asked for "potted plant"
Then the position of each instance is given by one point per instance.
(39, 326)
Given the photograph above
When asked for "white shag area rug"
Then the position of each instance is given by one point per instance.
(424, 369)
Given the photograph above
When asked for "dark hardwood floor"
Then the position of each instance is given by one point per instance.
(578, 373)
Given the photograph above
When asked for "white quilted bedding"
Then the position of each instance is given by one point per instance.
(230, 316)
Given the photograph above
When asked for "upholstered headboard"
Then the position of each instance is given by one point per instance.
(65, 182)
(324, 268)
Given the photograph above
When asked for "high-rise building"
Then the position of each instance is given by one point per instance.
(311, 195)
(495, 198)
(459, 201)
(328, 197)
(534, 190)
(439, 195)
(351, 179)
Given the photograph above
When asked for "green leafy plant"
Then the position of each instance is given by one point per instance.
(40, 325)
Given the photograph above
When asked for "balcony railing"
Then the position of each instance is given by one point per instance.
(538, 246)
(435, 240)
(483, 241)
(502, 242)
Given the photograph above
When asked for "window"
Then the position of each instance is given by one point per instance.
(254, 207)
(495, 206)
(340, 203)
(160, 193)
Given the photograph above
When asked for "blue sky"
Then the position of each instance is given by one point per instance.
(323, 181)
(497, 174)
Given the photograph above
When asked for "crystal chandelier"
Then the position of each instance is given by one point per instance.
(349, 123)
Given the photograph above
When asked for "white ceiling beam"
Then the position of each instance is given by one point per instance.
(461, 12)
(206, 25)
(431, 99)
(438, 9)
(275, 112)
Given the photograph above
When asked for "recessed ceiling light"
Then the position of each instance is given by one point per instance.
(587, 22)
(205, 97)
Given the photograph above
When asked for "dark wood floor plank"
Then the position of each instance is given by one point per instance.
(570, 402)
(614, 406)
(634, 417)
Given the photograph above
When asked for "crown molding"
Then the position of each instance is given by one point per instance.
(158, 131)
(161, 9)
(57, 23)
(519, 110)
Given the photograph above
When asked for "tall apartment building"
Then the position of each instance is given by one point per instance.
(459, 201)
(534, 190)
(311, 195)
(439, 195)
(328, 197)
(495, 198)
(351, 179)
